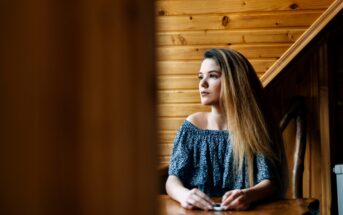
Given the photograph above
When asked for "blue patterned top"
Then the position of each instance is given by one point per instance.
(203, 159)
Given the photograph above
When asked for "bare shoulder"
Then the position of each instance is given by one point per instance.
(195, 117)
(198, 119)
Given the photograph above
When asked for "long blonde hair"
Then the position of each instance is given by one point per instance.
(248, 117)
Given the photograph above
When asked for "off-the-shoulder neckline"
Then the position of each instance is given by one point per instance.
(204, 130)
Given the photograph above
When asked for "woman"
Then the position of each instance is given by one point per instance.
(235, 151)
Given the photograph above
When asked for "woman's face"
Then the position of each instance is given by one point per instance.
(210, 76)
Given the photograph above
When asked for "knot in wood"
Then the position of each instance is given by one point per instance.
(225, 20)
(293, 6)
(161, 13)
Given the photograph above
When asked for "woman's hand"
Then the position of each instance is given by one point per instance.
(196, 199)
(241, 199)
(235, 200)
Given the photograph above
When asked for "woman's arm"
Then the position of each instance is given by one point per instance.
(241, 199)
(188, 198)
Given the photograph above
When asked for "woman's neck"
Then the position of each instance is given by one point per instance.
(216, 119)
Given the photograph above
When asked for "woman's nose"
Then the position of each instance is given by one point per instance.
(204, 83)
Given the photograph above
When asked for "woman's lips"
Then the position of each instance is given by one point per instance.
(204, 93)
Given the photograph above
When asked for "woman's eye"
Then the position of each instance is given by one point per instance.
(199, 77)
(213, 76)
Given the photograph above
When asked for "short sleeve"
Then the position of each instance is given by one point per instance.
(263, 169)
(180, 161)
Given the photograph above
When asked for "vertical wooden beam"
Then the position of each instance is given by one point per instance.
(324, 126)
(118, 151)
(77, 115)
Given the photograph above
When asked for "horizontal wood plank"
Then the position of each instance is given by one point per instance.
(196, 52)
(180, 110)
(181, 7)
(167, 137)
(178, 96)
(178, 82)
(191, 67)
(163, 160)
(228, 37)
(179, 67)
(200, 37)
(165, 149)
(237, 21)
(173, 123)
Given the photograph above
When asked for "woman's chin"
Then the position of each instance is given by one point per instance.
(206, 103)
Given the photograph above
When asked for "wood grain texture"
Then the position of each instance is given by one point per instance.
(71, 142)
(169, 123)
(237, 21)
(180, 110)
(178, 96)
(178, 82)
(181, 7)
(167, 136)
(325, 115)
(163, 160)
(279, 207)
(166, 149)
(191, 67)
(196, 52)
(227, 37)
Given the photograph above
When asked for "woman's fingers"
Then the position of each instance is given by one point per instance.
(235, 199)
(231, 196)
(240, 203)
(204, 196)
(226, 195)
(199, 200)
(187, 205)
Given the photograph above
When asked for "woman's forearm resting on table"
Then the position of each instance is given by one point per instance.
(241, 199)
(262, 190)
(175, 188)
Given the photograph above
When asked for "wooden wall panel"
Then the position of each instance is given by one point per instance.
(167, 136)
(164, 160)
(177, 82)
(165, 149)
(180, 110)
(221, 37)
(237, 21)
(196, 52)
(179, 96)
(178, 67)
(179, 7)
(166, 123)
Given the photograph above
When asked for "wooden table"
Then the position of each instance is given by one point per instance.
(282, 207)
